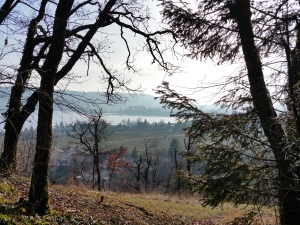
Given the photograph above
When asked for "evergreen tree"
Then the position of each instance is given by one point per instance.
(61, 125)
(155, 126)
(174, 146)
(139, 125)
(169, 126)
(146, 124)
(177, 128)
(134, 153)
(252, 155)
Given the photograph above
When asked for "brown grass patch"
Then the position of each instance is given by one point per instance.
(73, 205)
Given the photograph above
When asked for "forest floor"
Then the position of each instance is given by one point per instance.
(74, 205)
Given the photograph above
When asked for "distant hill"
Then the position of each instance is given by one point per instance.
(124, 100)
(90, 99)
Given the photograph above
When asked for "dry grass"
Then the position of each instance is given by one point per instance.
(263, 219)
(229, 213)
(74, 205)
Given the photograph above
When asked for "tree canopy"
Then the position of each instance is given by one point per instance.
(252, 154)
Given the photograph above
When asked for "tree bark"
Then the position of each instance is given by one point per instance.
(294, 77)
(94, 166)
(6, 8)
(289, 204)
(102, 18)
(188, 147)
(8, 161)
(177, 166)
(16, 115)
(38, 193)
(98, 173)
(96, 153)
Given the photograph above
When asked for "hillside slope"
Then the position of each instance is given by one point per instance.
(73, 205)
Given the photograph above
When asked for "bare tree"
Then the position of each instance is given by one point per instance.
(145, 168)
(38, 193)
(92, 135)
(136, 170)
(56, 51)
(147, 165)
(6, 8)
(155, 175)
(190, 151)
(17, 114)
(148, 161)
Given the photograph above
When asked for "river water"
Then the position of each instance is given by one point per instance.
(111, 118)
(69, 117)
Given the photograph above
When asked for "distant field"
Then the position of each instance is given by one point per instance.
(137, 139)
(131, 139)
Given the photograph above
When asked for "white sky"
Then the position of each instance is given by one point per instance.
(194, 73)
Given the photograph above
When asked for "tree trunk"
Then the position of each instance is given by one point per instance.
(13, 127)
(8, 161)
(188, 147)
(96, 153)
(177, 166)
(138, 178)
(289, 204)
(293, 59)
(94, 166)
(38, 193)
(16, 115)
(6, 8)
(98, 172)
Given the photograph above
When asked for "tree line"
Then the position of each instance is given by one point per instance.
(143, 111)
(141, 170)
